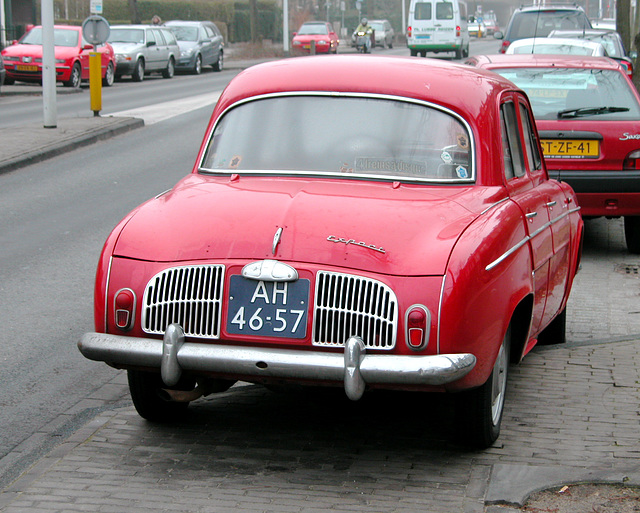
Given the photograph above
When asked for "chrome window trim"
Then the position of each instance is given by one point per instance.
(284, 94)
(517, 246)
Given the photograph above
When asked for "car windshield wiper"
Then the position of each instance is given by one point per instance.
(589, 111)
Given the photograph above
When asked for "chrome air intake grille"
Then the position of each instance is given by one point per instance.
(190, 296)
(347, 305)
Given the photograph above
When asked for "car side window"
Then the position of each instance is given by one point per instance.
(511, 143)
(530, 140)
(151, 37)
(208, 32)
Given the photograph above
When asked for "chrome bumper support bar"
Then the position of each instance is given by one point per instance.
(354, 367)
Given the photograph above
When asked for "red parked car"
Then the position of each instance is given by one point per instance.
(23, 59)
(318, 33)
(588, 115)
(424, 253)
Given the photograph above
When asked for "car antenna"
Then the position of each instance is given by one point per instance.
(535, 32)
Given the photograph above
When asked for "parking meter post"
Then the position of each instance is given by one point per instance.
(95, 82)
(312, 50)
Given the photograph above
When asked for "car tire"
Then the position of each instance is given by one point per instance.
(465, 52)
(479, 411)
(390, 43)
(109, 75)
(556, 332)
(197, 67)
(138, 71)
(217, 66)
(631, 233)
(170, 70)
(458, 53)
(75, 77)
(146, 393)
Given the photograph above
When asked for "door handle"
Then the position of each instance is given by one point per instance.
(531, 215)
(551, 204)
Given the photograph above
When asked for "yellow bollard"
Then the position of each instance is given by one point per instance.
(95, 82)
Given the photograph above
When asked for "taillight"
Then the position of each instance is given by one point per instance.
(409, 30)
(417, 327)
(124, 307)
(505, 45)
(632, 161)
(458, 31)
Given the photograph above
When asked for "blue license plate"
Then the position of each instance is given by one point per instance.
(268, 309)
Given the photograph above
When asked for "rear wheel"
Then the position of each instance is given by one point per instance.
(9, 81)
(146, 393)
(632, 233)
(170, 70)
(458, 53)
(479, 411)
(217, 66)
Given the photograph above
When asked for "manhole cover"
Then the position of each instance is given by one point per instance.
(631, 270)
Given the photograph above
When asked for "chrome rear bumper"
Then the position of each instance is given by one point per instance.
(355, 368)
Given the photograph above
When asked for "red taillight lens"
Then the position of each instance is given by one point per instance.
(505, 45)
(632, 161)
(124, 306)
(417, 326)
(409, 30)
(458, 31)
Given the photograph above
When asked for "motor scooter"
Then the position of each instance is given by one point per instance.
(361, 41)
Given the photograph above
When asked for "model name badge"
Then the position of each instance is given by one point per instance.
(332, 238)
(626, 136)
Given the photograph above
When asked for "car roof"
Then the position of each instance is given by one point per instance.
(551, 41)
(422, 79)
(550, 7)
(188, 22)
(525, 60)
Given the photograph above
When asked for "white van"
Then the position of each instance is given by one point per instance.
(438, 26)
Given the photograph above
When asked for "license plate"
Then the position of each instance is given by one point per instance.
(571, 148)
(26, 67)
(423, 36)
(268, 309)
(306, 47)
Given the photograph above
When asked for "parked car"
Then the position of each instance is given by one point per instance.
(201, 44)
(383, 33)
(540, 20)
(588, 115)
(144, 49)
(610, 39)
(2, 72)
(556, 45)
(442, 252)
(317, 33)
(23, 59)
(476, 27)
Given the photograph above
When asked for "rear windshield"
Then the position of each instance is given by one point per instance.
(345, 136)
(576, 93)
(541, 23)
(313, 29)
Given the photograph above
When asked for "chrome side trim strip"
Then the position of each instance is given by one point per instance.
(444, 279)
(507, 253)
(494, 205)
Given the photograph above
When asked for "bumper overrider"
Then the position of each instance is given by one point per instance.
(173, 355)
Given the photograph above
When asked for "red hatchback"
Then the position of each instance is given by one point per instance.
(23, 59)
(588, 114)
(424, 253)
(318, 34)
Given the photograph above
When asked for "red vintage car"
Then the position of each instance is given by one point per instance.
(309, 246)
(588, 114)
(23, 59)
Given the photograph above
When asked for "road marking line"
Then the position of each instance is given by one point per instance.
(162, 111)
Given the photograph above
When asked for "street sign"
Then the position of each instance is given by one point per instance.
(95, 7)
(95, 30)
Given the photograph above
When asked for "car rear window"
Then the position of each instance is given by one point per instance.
(346, 136)
(555, 90)
(541, 23)
(422, 11)
(444, 11)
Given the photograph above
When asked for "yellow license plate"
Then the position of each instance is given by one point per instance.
(26, 67)
(571, 148)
